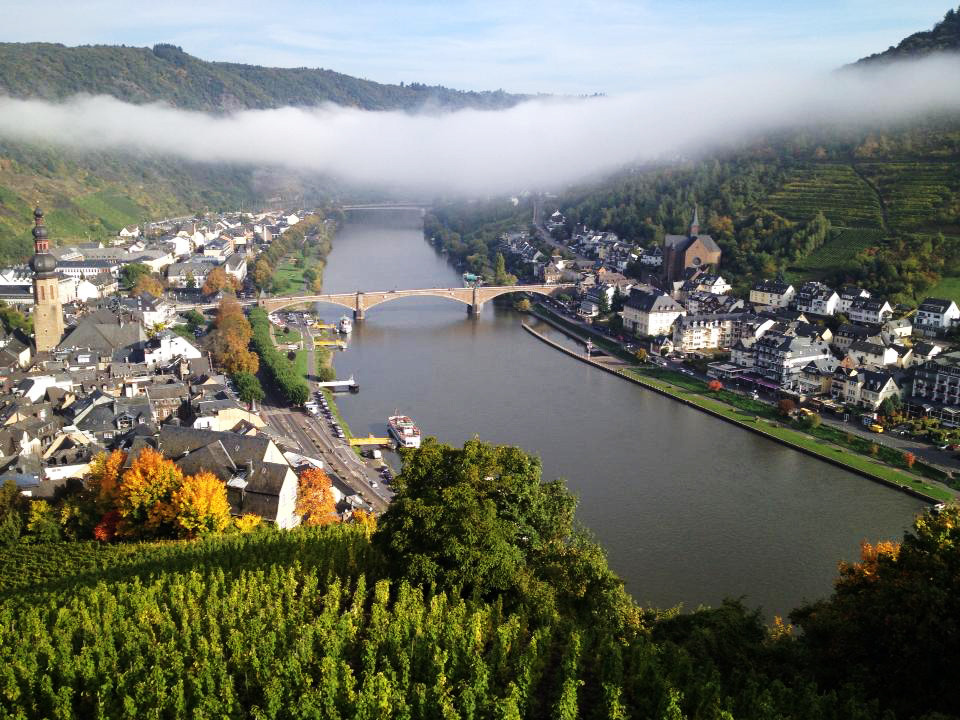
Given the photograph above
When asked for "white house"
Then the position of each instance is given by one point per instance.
(816, 298)
(936, 314)
(129, 232)
(869, 310)
(650, 313)
(166, 347)
(849, 294)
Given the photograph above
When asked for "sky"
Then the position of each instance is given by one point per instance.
(548, 46)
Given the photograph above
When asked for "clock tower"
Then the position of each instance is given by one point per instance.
(47, 311)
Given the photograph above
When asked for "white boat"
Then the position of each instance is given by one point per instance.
(404, 430)
(346, 325)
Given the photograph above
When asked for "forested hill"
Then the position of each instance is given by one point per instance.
(944, 37)
(167, 74)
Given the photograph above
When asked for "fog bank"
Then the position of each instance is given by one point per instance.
(541, 143)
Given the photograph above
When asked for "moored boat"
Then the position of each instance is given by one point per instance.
(345, 325)
(404, 431)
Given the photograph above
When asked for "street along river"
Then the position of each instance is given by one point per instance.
(690, 509)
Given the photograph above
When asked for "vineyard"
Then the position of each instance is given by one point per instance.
(304, 624)
(838, 253)
(836, 190)
(918, 195)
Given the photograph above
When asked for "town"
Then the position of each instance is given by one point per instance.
(841, 351)
(120, 359)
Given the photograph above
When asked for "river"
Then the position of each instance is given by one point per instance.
(690, 509)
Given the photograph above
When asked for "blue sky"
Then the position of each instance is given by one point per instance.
(611, 46)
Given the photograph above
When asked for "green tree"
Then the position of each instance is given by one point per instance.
(43, 524)
(890, 624)
(248, 387)
(130, 274)
(191, 280)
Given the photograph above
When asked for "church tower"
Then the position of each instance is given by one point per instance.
(695, 225)
(47, 312)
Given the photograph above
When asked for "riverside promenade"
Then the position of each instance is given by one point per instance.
(922, 488)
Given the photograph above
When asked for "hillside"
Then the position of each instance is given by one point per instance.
(89, 196)
(944, 37)
(167, 74)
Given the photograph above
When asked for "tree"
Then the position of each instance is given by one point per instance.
(11, 513)
(143, 498)
(500, 274)
(604, 302)
(104, 478)
(42, 524)
(216, 281)
(909, 459)
(786, 407)
(130, 273)
(191, 280)
(889, 624)
(641, 355)
(262, 273)
(326, 374)
(147, 284)
(315, 501)
(523, 305)
(247, 522)
(231, 338)
(195, 319)
(249, 389)
(714, 386)
(200, 505)
(13, 320)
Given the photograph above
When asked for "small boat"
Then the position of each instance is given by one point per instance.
(345, 325)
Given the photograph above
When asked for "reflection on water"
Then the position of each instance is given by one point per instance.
(689, 508)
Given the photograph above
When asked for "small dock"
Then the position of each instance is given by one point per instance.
(330, 343)
(349, 384)
(371, 441)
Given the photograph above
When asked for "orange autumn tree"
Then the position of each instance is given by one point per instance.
(218, 280)
(315, 501)
(147, 284)
(144, 495)
(105, 478)
(231, 338)
(200, 505)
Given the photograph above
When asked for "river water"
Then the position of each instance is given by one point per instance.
(690, 509)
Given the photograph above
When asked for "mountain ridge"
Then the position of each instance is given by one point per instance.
(165, 73)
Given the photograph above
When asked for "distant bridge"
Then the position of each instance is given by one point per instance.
(387, 206)
(473, 297)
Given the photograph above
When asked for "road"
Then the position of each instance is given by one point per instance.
(315, 437)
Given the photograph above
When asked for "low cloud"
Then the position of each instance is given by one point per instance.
(541, 143)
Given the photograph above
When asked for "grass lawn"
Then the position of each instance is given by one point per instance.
(948, 288)
(685, 389)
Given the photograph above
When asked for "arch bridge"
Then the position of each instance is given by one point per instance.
(359, 302)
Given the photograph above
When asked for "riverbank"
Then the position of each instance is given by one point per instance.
(773, 430)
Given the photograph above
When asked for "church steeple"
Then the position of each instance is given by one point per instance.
(47, 312)
(695, 225)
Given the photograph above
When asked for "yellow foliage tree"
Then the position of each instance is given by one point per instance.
(365, 519)
(216, 281)
(315, 501)
(149, 284)
(247, 523)
(104, 478)
(143, 497)
(200, 505)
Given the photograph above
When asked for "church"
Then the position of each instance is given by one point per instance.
(47, 308)
(686, 252)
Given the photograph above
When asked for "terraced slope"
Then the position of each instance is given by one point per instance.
(834, 189)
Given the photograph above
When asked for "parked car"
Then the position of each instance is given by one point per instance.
(876, 428)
